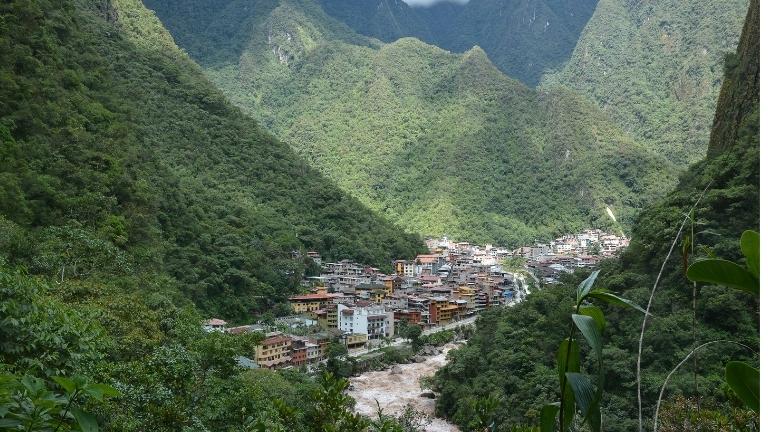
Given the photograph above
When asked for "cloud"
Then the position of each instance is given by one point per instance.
(426, 3)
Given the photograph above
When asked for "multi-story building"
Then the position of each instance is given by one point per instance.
(327, 318)
(441, 311)
(410, 316)
(310, 302)
(405, 268)
(369, 319)
(298, 352)
(274, 351)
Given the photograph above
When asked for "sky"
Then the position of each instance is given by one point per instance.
(431, 2)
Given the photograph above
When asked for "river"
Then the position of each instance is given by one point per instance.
(394, 391)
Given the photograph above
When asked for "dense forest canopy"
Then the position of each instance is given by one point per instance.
(656, 68)
(438, 143)
(121, 159)
(512, 354)
(137, 200)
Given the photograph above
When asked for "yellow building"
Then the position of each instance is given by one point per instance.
(392, 283)
(442, 312)
(328, 317)
(273, 352)
(310, 302)
(355, 340)
(468, 294)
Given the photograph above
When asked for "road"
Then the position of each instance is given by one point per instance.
(402, 341)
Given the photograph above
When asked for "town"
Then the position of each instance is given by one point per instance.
(362, 308)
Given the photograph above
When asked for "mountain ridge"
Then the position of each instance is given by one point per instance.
(469, 138)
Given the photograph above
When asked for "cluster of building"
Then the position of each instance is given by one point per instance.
(570, 252)
(360, 306)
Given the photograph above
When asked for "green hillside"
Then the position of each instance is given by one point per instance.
(655, 68)
(120, 158)
(513, 354)
(439, 143)
(524, 38)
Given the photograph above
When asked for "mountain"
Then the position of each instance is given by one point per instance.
(655, 68)
(121, 160)
(512, 355)
(523, 38)
(438, 143)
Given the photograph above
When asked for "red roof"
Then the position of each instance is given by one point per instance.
(215, 322)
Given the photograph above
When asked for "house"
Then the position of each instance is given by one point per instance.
(315, 257)
(214, 324)
(365, 318)
(354, 340)
(327, 318)
(298, 352)
(274, 351)
(404, 268)
(392, 283)
(410, 316)
(441, 311)
(310, 302)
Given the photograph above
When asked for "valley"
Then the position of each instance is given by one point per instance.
(379, 215)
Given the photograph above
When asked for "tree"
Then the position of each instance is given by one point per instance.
(413, 334)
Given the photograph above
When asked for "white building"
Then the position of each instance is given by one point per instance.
(372, 320)
(214, 324)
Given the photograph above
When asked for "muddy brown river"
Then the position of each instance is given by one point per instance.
(394, 391)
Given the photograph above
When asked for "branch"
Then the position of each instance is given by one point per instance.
(661, 392)
(648, 308)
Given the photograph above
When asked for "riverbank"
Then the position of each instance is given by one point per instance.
(396, 387)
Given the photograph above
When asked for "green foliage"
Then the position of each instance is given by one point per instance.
(120, 158)
(744, 380)
(438, 143)
(576, 389)
(413, 334)
(505, 354)
(728, 273)
(656, 69)
(29, 403)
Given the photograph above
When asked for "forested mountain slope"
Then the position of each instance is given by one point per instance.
(655, 68)
(120, 160)
(513, 354)
(523, 38)
(439, 143)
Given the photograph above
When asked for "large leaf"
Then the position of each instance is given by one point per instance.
(569, 402)
(750, 247)
(99, 391)
(586, 286)
(613, 298)
(87, 422)
(723, 272)
(588, 327)
(586, 399)
(596, 314)
(572, 359)
(67, 384)
(744, 380)
(547, 418)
